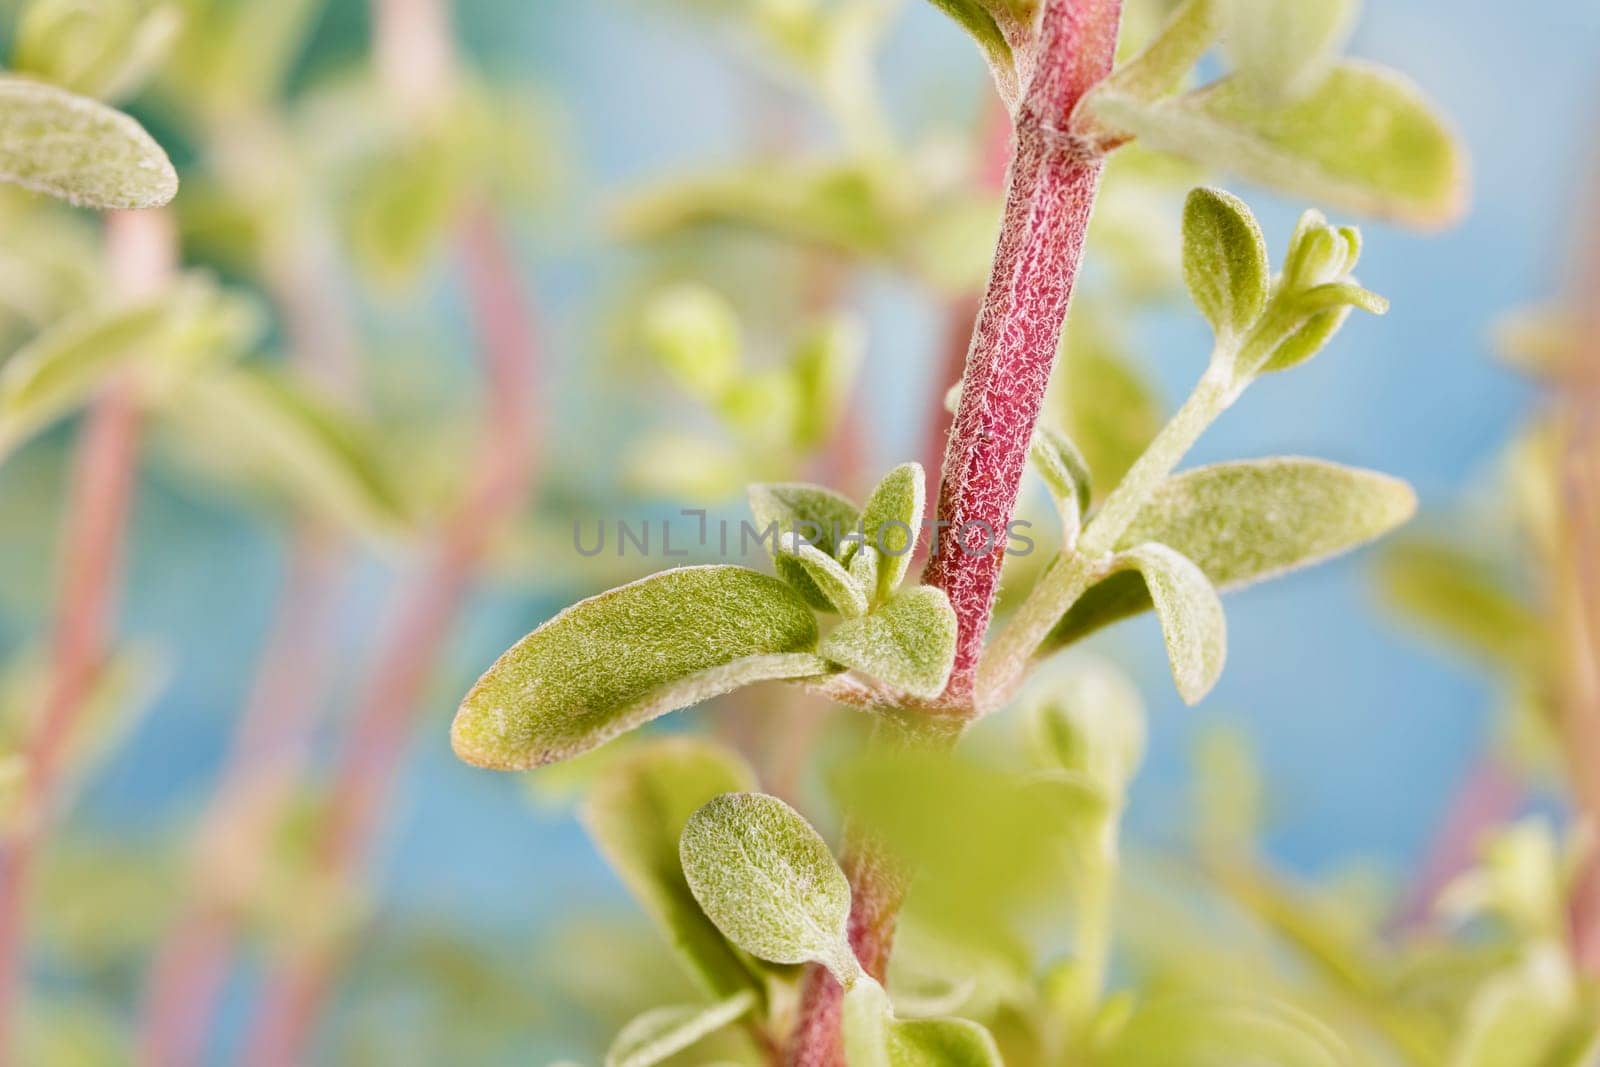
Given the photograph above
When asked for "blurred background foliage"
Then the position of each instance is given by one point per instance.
(753, 232)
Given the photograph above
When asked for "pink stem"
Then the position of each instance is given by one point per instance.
(297, 991)
(1054, 177)
(141, 247)
(1489, 796)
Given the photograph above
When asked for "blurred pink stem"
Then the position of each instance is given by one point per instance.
(1487, 798)
(297, 990)
(141, 248)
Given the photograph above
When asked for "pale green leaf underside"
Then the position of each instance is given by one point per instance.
(615, 661)
(1246, 522)
(909, 642)
(1364, 140)
(636, 813)
(1191, 617)
(1224, 260)
(1282, 49)
(769, 882)
(80, 150)
(657, 1034)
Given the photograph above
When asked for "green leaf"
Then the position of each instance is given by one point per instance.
(1066, 475)
(844, 594)
(1282, 48)
(106, 50)
(769, 882)
(890, 523)
(1458, 597)
(819, 515)
(1088, 720)
(662, 1032)
(1191, 616)
(71, 147)
(1103, 402)
(613, 662)
(1364, 140)
(694, 333)
(909, 642)
(1529, 1017)
(1224, 261)
(275, 429)
(873, 1037)
(1246, 522)
(636, 813)
(1160, 68)
(1213, 1031)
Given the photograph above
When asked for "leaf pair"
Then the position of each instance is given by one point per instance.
(853, 562)
(1262, 326)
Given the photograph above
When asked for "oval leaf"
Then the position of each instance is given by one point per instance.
(636, 813)
(1282, 48)
(909, 642)
(615, 661)
(1191, 617)
(77, 149)
(1224, 261)
(845, 595)
(652, 1037)
(873, 1037)
(890, 523)
(1218, 1030)
(769, 882)
(1245, 522)
(1364, 140)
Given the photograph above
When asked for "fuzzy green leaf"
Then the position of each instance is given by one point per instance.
(1191, 616)
(1066, 475)
(873, 1037)
(890, 523)
(1364, 140)
(636, 813)
(1282, 48)
(979, 22)
(613, 662)
(1224, 261)
(1246, 522)
(819, 515)
(106, 50)
(273, 428)
(909, 642)
(663, 1032)
(769, 882)
(74, 148)
(844, 594)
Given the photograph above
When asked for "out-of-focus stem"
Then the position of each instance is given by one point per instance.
(141, 248)
(1488, 796)
(298, 988)
(1054, 176)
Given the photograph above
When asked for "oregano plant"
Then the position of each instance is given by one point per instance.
(758, 887)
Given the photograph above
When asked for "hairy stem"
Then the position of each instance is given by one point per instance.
(1054, 177)
(297, 991)
(141, 247)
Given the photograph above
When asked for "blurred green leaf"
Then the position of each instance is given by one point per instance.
(873, 1037)
(908, 642)
(1245, 522)
(1088, 719)
(1283, 48)
(1455, 595)
(1215, 1031)
(70, 147)
(105, 49)
(1101, 401)
(663, 1032)
(694, 333)
(769, 882)
(1191, 616)
(271, 427)
(636, 813)
(1224, 261)
(613, 662)
(1530, 1017)
(1364, 140)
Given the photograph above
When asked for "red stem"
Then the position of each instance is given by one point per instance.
(296, 992)
(1054, 177)
(140, 247)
